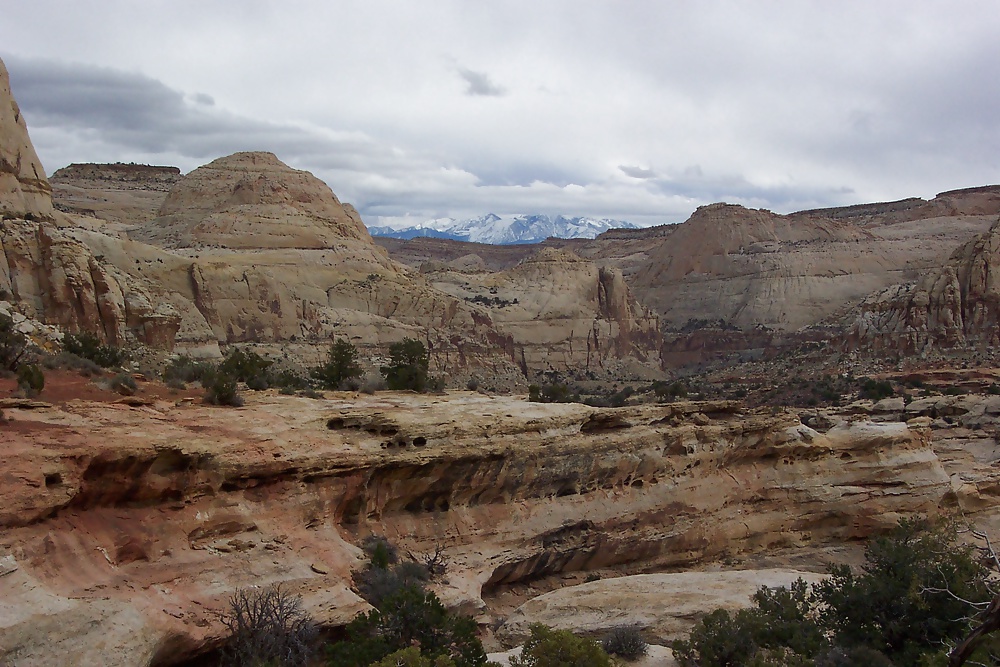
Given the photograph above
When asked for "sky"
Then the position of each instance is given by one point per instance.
(637, 110)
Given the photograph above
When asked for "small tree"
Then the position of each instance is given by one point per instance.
(559, 648)
(30, 380)
(267, 628)
(13, 344)
(341, 365)
(408, 367)
(221, 389)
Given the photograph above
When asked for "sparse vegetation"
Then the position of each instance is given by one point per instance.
(30, 380)
(553, 392)
(221, 389)
(246, 366)
(123, 384)
(87, 345)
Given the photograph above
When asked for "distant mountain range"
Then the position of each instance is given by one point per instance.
(505, 230)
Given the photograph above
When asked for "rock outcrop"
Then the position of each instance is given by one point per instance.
(665, 606)
(561, 311)
(24, 190)
(50, 275)
(250, 201)
(957, 305)
(125, 528)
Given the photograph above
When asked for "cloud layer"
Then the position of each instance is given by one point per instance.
(640, 111)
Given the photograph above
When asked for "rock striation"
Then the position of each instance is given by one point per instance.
(125, 528)
(957, 305)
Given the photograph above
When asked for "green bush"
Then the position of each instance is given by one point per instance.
(341, 365)
(13, 344)
(408, 366)
(412, 617)
(87, 345)
(184, 369)
(30, 380)
(246, 366)
(559, 648)
(876, 390)
(220, 389)
(905, 604)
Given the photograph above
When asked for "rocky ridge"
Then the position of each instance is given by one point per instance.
(125, 527)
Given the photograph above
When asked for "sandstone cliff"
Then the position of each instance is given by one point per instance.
(561, 311)
(956, 305)
(50, 275)
(124, 529)
(252, 201)
(24, 190)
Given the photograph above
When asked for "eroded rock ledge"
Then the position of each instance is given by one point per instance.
(124, 528)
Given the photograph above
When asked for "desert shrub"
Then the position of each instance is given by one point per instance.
(381, 552)
(341, 365)
(377, 584)
(246, 366)
(546, 647)
(472, 384)
(552, 392)
(175, 383)
(87, 345)
(412, 617)
(123, 384)
(408, 366)
(311, 393)
(626, 642)
(372, 382)
(258, 383)
(68, 360)
(410, 657)
(30, 380)
(287, 391)
(668, 391)
(221, 389)
(267, 628)
(185, 369)
(908, 601)
(13, 344)
(287, 378)
(876, 390)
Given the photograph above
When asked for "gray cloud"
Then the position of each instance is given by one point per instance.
(637, 172)
(479, 83)
(780, 106)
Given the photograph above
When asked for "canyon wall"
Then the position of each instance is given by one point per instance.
(125, 529)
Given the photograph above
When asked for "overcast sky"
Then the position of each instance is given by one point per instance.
(629, 109)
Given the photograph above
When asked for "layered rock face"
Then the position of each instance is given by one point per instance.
(956, 305)
(24, 190)
(753, 267)
(125, 529)
(123, 194)
(561, 311)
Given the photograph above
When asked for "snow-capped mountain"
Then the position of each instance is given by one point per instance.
(505, 230)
